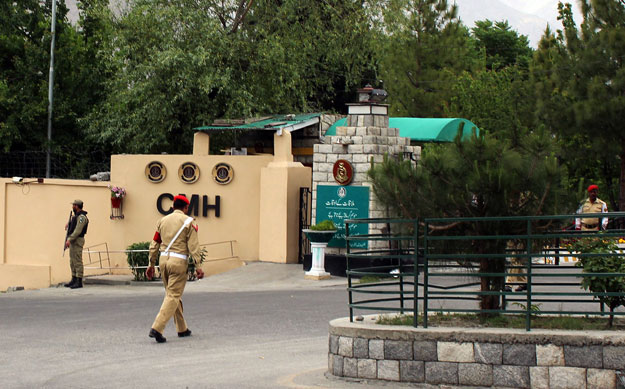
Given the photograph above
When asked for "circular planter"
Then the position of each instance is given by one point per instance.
(319, 236)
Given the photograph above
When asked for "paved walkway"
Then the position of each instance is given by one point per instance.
(255, 276)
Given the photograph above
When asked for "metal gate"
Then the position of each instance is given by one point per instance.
(305, 216)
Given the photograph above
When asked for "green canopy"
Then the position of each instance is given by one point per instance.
(423, 129)
(268, 123)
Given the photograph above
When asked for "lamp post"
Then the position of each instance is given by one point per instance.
(50, 87)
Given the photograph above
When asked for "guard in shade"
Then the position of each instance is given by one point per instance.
(592, 204)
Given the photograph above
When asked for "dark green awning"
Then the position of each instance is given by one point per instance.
(271, 123)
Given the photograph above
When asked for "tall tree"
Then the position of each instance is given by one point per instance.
(500, 102)
(24, 66)
(425, 47)
(502, 46)
(580, 84)
(481, 177)
(180, 64)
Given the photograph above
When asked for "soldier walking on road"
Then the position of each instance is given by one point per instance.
(178, 234)
(76, 230)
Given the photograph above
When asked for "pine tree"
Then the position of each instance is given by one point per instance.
(580, 82)
(425, 47)
(481, 177)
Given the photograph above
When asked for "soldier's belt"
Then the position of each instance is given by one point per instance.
(171, 254)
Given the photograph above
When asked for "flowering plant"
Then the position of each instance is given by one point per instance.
(117, 192)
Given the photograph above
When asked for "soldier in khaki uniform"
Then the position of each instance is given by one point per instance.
(516, 247)
(76, 229)
(175, 239)
(592, 205)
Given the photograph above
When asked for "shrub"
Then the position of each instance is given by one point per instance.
(137, 260)
(324, 225)
(609, 262)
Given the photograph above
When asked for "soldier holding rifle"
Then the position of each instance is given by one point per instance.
(75, 241)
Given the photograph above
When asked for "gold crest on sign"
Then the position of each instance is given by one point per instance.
(155, 171)
(223, 173)
(189, 172)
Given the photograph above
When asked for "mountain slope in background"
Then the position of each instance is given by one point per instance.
(528, 18)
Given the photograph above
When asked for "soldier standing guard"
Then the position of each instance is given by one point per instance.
(592, 205)
(178, 234)
(76, 230)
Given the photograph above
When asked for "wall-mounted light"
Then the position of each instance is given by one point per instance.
(21, 181)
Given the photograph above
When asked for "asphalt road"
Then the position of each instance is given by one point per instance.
(97, 337)
(261, 326)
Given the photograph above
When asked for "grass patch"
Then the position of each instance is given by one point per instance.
(369, 279)
(579, 323)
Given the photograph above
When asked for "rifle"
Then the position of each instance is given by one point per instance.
(67, 233)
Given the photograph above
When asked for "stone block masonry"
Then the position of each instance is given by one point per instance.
(367, 140)
(481, 357)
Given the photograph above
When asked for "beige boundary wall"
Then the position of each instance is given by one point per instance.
(258, 213)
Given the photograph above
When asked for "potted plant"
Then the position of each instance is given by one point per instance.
(322, 232)
(117, 194)
(319, 235)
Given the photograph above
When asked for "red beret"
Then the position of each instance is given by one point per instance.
(182, 197)
(593, 187)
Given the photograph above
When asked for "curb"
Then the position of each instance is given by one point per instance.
(100, 281)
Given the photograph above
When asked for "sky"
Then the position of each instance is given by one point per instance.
(527, 17)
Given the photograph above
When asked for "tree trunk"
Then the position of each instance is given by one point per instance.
(488, 284)
(621, 196)
(611, 320)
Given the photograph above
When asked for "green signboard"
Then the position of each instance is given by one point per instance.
(338, 203)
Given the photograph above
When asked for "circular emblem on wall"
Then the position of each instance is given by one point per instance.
(223, 173)
(155, 171)
(189, 172)
(343, 172)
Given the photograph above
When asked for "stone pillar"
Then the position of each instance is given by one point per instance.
(365, 140)
(279, 203)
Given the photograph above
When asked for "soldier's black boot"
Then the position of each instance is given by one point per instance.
(184, 333)
(71, 283)
(77, 284)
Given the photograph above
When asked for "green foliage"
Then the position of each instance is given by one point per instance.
(180, 64)
(534, 308)
(502, 46)
(138, 259)
(324, 225)
(579, 77)
(608, 262)
(425, 47)
(484, 176)
(500, 102)
(24, 77)
(191, 268)
(506, 321)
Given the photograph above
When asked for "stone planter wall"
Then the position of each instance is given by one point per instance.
(477, 357)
